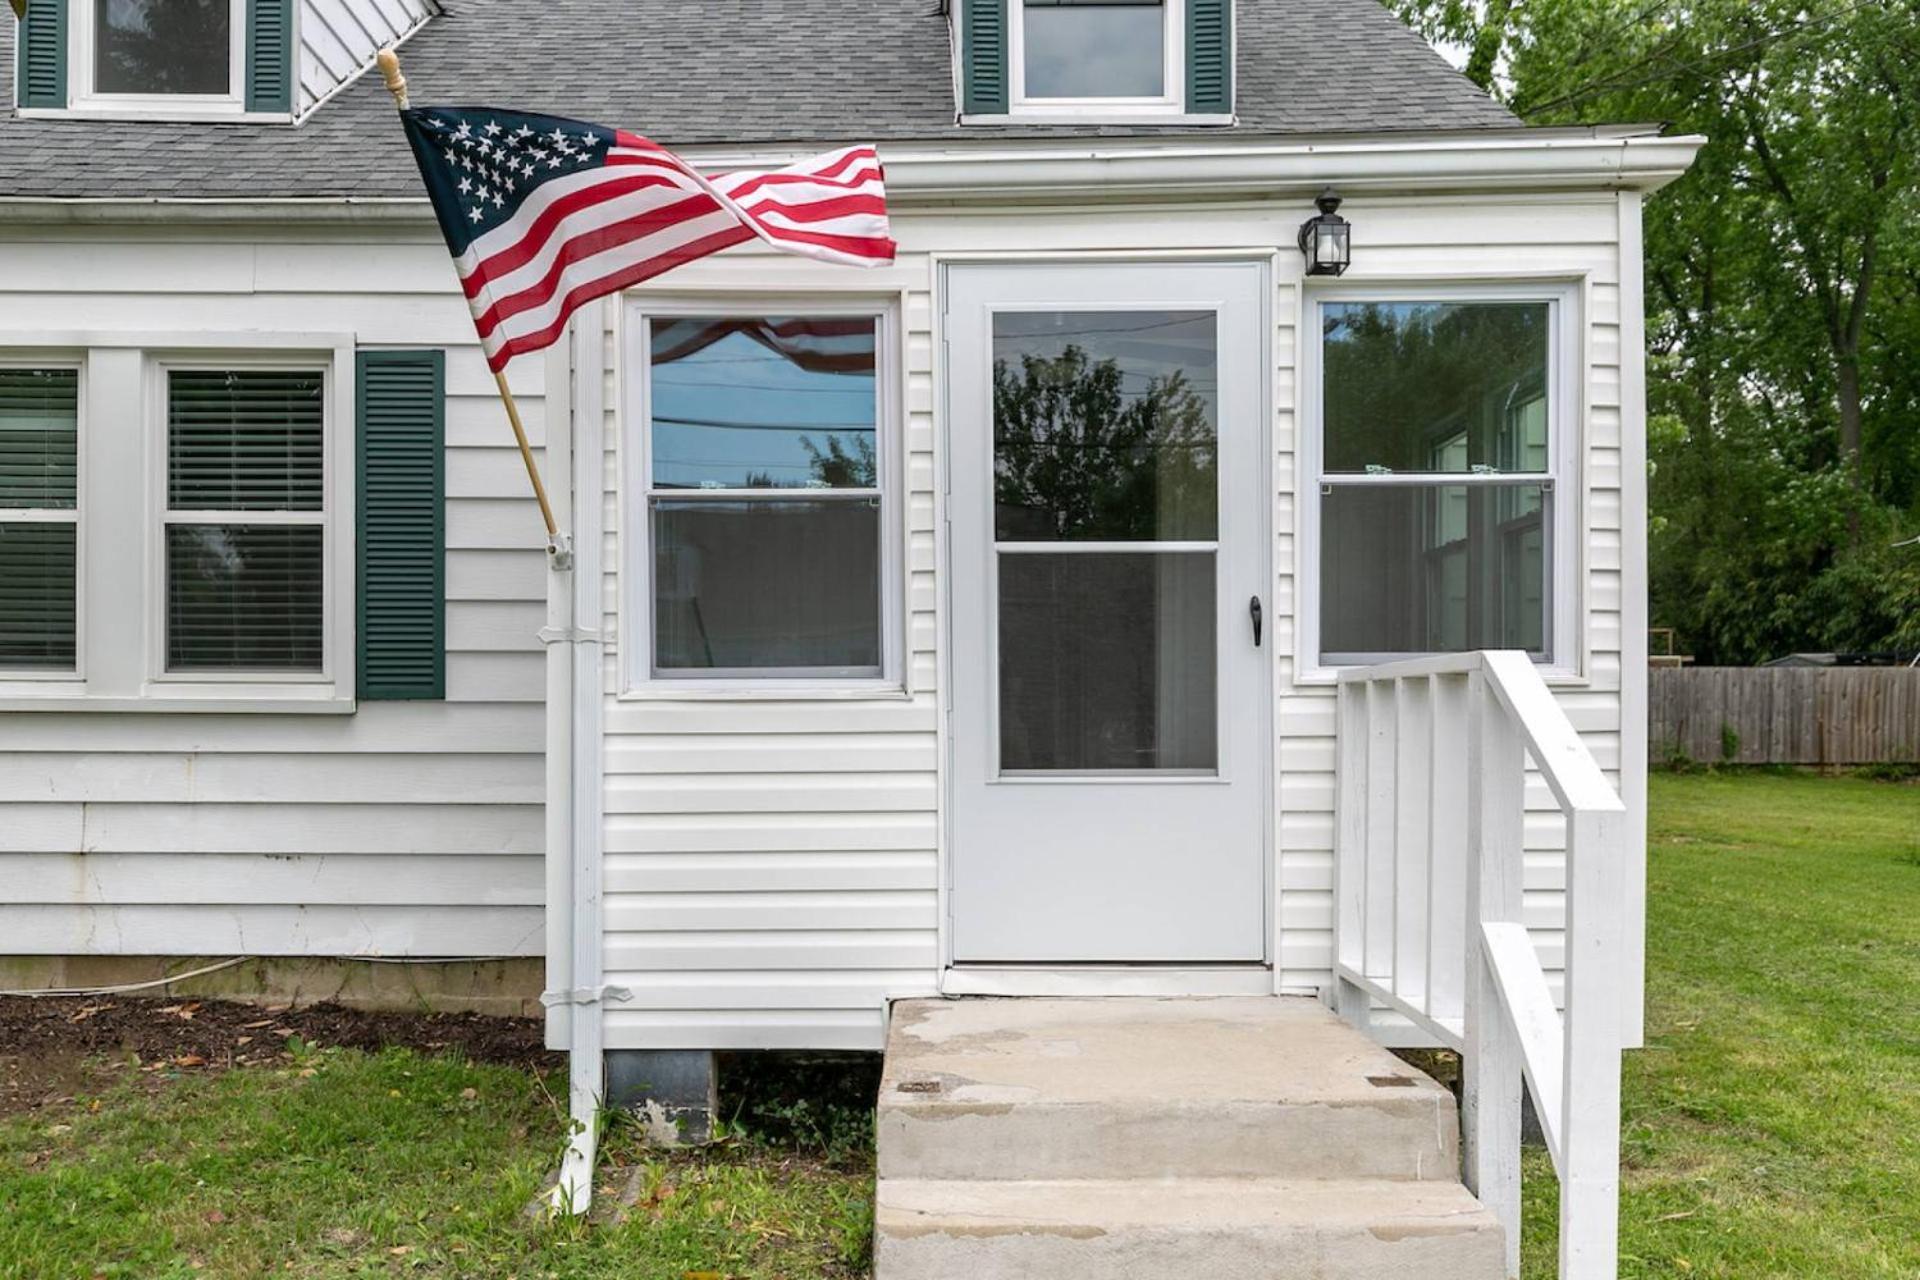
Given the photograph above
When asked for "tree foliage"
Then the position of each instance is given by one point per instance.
(1783, 295)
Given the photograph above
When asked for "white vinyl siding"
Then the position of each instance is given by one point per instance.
(402, 829)
(338, 38)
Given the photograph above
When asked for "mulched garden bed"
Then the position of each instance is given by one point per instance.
(53, 1047)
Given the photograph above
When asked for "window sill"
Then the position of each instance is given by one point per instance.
(692, 691)
(1317, 677)
(15, 696)
(1172, 119)
(137, 115)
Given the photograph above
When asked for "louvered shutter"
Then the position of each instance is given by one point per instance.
(402, 525)
(1210, 57)
(42, 67)
(983, 57)
(270, 55)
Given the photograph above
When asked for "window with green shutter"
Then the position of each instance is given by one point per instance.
(158, 56)
(39, 513)
(1099, 59)
(402, 525)
(245, 520)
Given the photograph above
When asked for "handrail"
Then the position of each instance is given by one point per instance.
(1430, 887)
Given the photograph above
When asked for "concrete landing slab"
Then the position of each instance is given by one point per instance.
(1234, 1086)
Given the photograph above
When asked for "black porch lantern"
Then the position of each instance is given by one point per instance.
(1327, 239)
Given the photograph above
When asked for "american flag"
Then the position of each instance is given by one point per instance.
(544, 214)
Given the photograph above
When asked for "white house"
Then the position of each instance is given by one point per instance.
(1096, 602)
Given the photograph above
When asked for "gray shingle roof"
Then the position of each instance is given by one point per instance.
(689, 72)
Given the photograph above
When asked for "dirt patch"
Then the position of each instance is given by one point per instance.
(53, 1048)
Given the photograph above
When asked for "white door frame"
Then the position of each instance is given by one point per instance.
(1260, 978)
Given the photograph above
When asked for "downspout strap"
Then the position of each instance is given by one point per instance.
(585, 996)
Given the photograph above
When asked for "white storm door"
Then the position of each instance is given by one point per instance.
(1110, 613)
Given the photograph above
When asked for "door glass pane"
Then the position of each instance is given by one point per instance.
(36, 596)
(1107, 661)
(39, 431)
(790, 584)
(1105, 426)
(783, 402)
(1436, 386)
(1096, 48)
(1434, 568)
(244, 598)
(163, 46)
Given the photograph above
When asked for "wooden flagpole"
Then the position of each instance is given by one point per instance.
(389, 63)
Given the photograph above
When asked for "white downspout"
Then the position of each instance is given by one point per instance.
(586, 993)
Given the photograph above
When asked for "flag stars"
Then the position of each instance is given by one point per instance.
(475, 214)
(558, 137)
(466, 186)
(493, 129)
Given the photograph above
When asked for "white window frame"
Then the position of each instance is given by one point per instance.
(74, 677)
(165, 517)
(1171, 103)
(639, 680)
(1566, 444)
(121, 642)
(84, 102)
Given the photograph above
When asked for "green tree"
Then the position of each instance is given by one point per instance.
(1783, 294)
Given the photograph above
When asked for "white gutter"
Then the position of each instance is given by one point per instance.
(993, 170)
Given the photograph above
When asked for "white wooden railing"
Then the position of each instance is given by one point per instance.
(1429, 876)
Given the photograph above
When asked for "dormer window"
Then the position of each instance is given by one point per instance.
(1095, 50)
(157, 59)
(173, 48)
(1095, 61)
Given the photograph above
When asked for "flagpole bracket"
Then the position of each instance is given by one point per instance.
(560, 552)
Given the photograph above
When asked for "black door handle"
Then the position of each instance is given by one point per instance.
(1254, 610)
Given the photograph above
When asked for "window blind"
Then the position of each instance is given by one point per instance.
(245, 440)
(243, 598)
(39, 435)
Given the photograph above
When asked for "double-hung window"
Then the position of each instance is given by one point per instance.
(765, 498)
(39, 519)
(244, 522)
(1108, 52)
(1444, 506)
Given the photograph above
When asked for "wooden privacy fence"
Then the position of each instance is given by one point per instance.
(1786, 715)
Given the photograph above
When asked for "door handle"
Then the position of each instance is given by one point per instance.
(1255, 612)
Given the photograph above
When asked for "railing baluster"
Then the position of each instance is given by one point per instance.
(1382, 784)
(1447, 880)
(1350, 844)
(1412, 836)
(1492, 1068)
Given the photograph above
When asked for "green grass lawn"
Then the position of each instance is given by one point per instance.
(1772, 1123)
(1772, 1128)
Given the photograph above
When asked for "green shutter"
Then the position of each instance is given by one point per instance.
(43, 55)
(270, 55)
(402, 525)
(1210, 57)
(983, 57)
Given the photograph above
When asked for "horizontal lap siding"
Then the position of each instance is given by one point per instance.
(1557, 237)
(771, 867)
(407, 828)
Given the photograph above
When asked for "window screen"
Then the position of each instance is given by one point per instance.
(39, 454)
(765, 496)
(1436, 513)
(163, 46)
(245, 520)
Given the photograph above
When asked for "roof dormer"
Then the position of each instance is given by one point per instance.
(1095, 61)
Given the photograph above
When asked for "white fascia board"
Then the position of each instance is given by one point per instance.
(1093, 170)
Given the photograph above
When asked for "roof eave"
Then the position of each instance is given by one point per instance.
(1092, 170)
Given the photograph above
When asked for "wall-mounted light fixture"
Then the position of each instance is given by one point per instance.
(1327, 240)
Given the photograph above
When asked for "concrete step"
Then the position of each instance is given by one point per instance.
(1139, 1229)
(1144, 1088)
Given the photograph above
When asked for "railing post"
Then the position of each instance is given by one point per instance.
(1491, 1066)
(1349, 844)
(1590, 1125)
